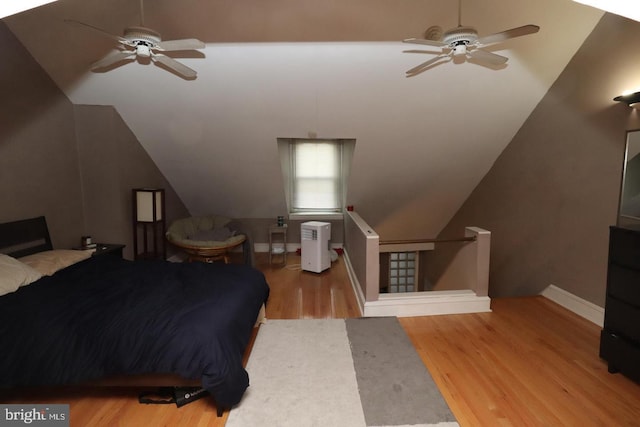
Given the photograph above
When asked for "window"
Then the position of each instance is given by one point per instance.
(315, 174)
(317, 180)
(402, 272)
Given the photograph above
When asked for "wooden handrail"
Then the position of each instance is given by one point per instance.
(412, 241)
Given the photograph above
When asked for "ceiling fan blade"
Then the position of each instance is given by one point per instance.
(508, 34)
(182, 44)
(422, 67)
(113, 58)
(175, 66)
(101, 31)
(421, 51)
(425, 41)
(488, 57)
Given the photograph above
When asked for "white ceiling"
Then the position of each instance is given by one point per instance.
(288, 68)
(11, 7)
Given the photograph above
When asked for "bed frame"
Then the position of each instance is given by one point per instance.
(25, 237)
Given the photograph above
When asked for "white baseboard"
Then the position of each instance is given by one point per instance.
(291, 247)
(261, 247)
(427, 304)
(571, 302)
(264, 247)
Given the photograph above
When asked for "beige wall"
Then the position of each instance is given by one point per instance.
(112, 163)
(39, 173)
(552, 194)
(75, 165)
(258, 229)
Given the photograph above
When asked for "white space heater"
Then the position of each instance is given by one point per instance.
(314, 238)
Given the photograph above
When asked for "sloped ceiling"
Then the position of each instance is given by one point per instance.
(296, 68)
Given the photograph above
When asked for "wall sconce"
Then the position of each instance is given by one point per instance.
(631, 99)
(149, 218)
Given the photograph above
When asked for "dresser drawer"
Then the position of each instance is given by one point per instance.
(624, 284)
(620, 354)
(622, 319)
(624, 247)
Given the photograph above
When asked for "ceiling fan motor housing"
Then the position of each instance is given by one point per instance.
(460, 36)
(142, 36)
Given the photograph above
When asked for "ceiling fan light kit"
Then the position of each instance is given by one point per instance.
(463, 43)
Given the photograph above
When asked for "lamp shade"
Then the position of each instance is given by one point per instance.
(148, 204)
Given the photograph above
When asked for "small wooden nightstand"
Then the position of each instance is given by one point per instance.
(109, 249)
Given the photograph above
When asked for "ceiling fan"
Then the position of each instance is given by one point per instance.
(145, 45)
(462, 43)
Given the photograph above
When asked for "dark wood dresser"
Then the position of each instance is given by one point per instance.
(620, 338)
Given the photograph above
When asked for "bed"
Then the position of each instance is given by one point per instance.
(103, 316)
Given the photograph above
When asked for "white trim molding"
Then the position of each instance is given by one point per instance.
(428, 303)
(571, 302)
(417, 303)
(355, 283)
(291, 247)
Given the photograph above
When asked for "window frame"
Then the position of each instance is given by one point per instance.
(335, 181)
(287, 159)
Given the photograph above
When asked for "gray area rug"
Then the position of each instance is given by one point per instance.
(335, 372)
(395, 386)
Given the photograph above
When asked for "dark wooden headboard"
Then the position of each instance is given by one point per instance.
(25, 237)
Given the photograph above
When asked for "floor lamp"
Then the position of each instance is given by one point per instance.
(148, 224)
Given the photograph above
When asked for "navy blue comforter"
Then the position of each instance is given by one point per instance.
(107, 316)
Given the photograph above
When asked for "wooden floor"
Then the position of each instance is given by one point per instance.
(528, 363)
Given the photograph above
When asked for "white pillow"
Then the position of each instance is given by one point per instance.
(48, 262)
(14, 274)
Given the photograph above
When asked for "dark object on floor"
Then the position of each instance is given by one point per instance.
(178, 395)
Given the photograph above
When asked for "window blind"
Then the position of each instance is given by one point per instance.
(317, 181)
